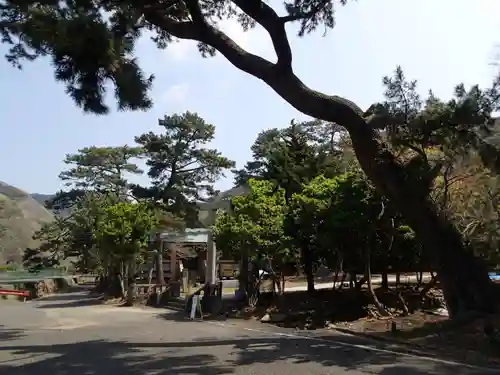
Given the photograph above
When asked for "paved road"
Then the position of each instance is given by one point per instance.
(65, 335)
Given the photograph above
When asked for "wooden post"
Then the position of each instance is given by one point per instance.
(160, 278)
(173, 264)
(211, 270)
(185, 281)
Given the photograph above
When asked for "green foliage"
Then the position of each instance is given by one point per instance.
(34, 260)
(124, 229)
(255, 224)
(293, 156)
(100, 231)
(101, 168)
(8, 268)
(335, 216)
(87, 49)
(107, 221)
(456, 127)
(182, 169)
(341, 218)
(62, 201)
(92, 44)
(54, 240)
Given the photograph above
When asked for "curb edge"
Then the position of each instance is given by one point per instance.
(412, 348)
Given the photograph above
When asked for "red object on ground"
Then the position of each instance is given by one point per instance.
(12, 292)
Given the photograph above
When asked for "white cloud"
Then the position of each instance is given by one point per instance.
(176, 94)
(255, 40)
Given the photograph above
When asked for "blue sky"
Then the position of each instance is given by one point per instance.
(440, 43)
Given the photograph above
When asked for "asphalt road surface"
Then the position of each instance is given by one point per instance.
(69, 335)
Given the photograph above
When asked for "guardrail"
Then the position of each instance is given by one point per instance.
(13, 276)
(26, 274)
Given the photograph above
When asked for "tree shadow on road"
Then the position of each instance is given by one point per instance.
(182, 316)
(107, 357)
(9, 333)
(214, 357)
(345, 354)
(69, 302)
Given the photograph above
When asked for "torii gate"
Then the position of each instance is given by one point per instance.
(194, 236)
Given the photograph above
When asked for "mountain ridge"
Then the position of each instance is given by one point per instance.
(21, 216)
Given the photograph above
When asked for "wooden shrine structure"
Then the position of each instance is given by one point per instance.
(177, 249)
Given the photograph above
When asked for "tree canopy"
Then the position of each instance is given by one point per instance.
(181, 168)
(108, 221)
(92, 44)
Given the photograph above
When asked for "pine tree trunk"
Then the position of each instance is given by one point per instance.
(464, 277)
(385, 280)
(308, 269)
(243, 277)
(131, 283)
(368, 276)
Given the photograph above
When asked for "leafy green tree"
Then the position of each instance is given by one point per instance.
(456, 128)
(349, 212)
(347, 226)
(83, 225)
(334, 219)
(290, 158)
(91, 45)
(254, 231)
(125, 228)
(122, 235)
(182, 169)
(71, 237)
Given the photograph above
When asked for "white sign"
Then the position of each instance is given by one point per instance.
(195, 305)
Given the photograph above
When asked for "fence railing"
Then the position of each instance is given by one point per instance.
(24, 274)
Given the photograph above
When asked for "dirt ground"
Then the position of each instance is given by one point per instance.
(467, 341)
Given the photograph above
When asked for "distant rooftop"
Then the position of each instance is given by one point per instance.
(222, 200)
(188, 235)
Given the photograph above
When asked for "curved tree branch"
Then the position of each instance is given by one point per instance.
(196, 13)
(281, 79)
(265, 16)
(383, 168)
